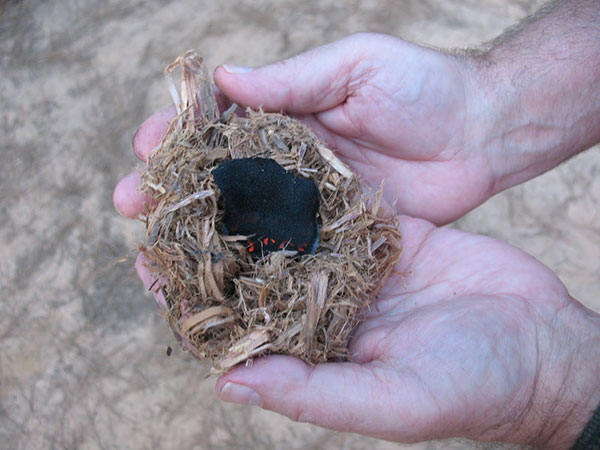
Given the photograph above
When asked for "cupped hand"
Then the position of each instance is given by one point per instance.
(471, 337)
(393, 110)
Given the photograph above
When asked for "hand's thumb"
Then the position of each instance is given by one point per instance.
(286, 385)
(310, 82)
(339, 396)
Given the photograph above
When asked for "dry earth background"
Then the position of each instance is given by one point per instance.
(82, 360)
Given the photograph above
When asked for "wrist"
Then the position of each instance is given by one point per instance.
(528, 124)
(538, 95)
(567, 390)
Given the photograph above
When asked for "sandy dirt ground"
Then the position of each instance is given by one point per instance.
(82, 359)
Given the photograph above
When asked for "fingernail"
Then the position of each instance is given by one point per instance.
(236, 393)
(134, 136)
(160, 302)
(236, 69)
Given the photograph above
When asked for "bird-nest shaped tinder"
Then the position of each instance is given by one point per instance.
(259, 238)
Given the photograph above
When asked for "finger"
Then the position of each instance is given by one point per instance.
(310, 82)
(340, 396)
(154, 128)
(128, 201)
(151, 131)
(224, 103)
(303, 393)
(150, 281)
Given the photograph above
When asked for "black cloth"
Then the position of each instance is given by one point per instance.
(276, 208)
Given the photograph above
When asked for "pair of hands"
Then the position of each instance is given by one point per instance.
(477, 338)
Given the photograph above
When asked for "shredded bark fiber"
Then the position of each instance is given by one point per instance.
(224, 305)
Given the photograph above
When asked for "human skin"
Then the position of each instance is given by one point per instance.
(471, 337)
(445, 130)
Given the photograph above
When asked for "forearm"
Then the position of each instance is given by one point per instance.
(541, 91)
